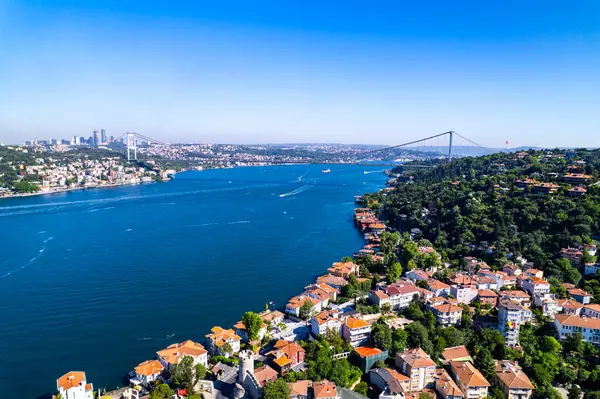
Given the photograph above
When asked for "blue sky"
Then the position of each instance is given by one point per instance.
(310, 71)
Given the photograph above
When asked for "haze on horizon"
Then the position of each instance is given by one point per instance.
(268, 72)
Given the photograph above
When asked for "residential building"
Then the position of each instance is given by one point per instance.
(511, 315)
(174, 354)
(591, 269)
(418, 366)
(265, 374)
(286, 355)
(356, 331)
(446, 387)
(447, 314)
(569, 307)
(534, 273)
(333, 281)
(272, 317)
(488, 297)
(390, 380)
(580, 295)
(577, 178)
(511, 379)
(399, 295)
(298, 389)
(591, 310)
(547, 302)
(524, 183)
(418, 275)
(464, 293)
(520, 297)
(535, 285)
(512, 269)
(573, 255)
(240, 330)
(502, 279)
(332, 292)
(366, 356)
(483, 282)
(577, 191)
(327, 319)
(460, 279)
(325, 390)
(147, 372)
(295, 304)
(73, 385)
(459, 353)
(470, 380)
(437, 287)
(588, 327)
(344, 269)
(221, 340)
(546, 188)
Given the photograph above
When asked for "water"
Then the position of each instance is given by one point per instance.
(99, 280)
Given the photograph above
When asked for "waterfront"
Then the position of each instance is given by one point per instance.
(98, 280)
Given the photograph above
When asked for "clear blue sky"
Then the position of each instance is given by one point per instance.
(302, 71)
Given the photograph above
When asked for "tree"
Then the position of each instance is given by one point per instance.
(186, 374)
(425, 395)
(381, 336)
(253, 324)
(277, 389)
(394, 272)
(162, 391)
(485, 363)
(226, 348)
(362, 388)
(399, 341)
(386, 309)
(306, 310)
(574, 392)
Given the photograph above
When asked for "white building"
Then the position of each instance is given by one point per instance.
(591, 310)
(418, 366)
(511, 315)
(174, 354)
(147, 372)
(547, 302)
(326, 320)
(535, 285)
(447, 314)
(464, 293)
(569, 324)
(398, 295)
(73, 385)
(356, 331)
(470, 380)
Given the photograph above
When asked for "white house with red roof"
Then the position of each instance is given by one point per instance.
(447, 314)
(535, 285)
(591, 310)
(399, 295)
(147, 372)
(326, 320)
(174, 354)
(588, 327)
(73, 385)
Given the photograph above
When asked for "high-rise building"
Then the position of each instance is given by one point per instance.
(53, 141)
(112, 138)
(96, 139)
(102, 136)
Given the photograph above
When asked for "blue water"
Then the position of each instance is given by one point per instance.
(99, 280)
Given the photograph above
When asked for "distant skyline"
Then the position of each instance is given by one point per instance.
(282, 72)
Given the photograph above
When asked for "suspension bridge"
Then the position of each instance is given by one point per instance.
(440, 145)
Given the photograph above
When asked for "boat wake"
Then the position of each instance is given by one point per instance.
(297, 191)
(240, 222)
(169, 336)
(32, 260)
(373, 171)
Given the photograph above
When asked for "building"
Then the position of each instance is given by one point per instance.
(147, 372)
(534, 273)
(568, 324)
(103, 136)
(511, 379)
(580, 295)
(298, 389)
(325, 390)
(365, 357)
(223, 342)
(327, 319)
(591, 310)
(333, 281)
(418, 366)
(535, 285)
(577, 178)
(512, 269)
(418, 275)
(488, 297)
(344, 269)
(447, 314)
(240, 330)
(437, 287)
(483, 282)
(464, 293)
(286, 355)
(356, 331)
(399, 295)
(569, 307)
(546, 188)
(591, 269)
(73, 385)
(174, 354)
(459, 353)
(446, 387)
(295, 304)
(390, 381)
(520, 297)
(511, 315)
(470, 380)
(272, 317)
(265, 374)
(547, 302)
(573, 255)
(524, 183)
(577, 191)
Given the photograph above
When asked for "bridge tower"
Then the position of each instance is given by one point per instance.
(131, 147)
(451, 134)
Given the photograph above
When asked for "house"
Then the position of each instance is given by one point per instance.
(577, 178)
(590, 248)
(73, 385)
(512, 270)
(573, 255)
(459, 353)
(511, 379)
(524, 183)
(418, 275)
(546, 188)
(470, 380)
(298, 389)
(569, 307)
(332, 292)
(399, 295)
(147, 372)
(325, 390)
(391, 380)
(521, 297)
(460, 279)
(547, 302)
(591, 310)
(535, 285)
(511, 315)
(502, 279)
(240, 330)
(418, 366)
(446, 387)
(487, 297)
(327, 319)
(580, 295)
(366, 356)
(483, 282)
(344, 269)
(464, 293)
(286, 355)
(356, 331)
(333, 281)
(534, 273)
(577, 191)
(591, 269)
(295, 304)
(265, 374)
(437, 287)
(174, 354)
(272, 317)
(321, 296)
(377, 227)
(447, 314)
(569, 324)
(223, 342)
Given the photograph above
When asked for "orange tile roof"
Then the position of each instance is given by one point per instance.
(416, 358)
(221, 336)
(326, 316)
(270, 315)
(487, 293)
(578, 292)
(353, 323)
(447, 308)
(380, 294)
(514, 294)
(446, 384)
(298, 388)
(70, 380)
(511, 374)
(435, 285)
(282, 361)
(468, 374)
(325, 389)
(149, 367)
(264, 374)
(174, 353)
(455, 352)
(569, 304)
(577, 321)
(367, 351)
(592, 306)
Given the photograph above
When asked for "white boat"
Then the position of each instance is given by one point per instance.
(326, 170)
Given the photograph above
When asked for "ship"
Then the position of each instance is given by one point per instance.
(326, 170)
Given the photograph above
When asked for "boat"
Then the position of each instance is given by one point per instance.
(326, 170)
